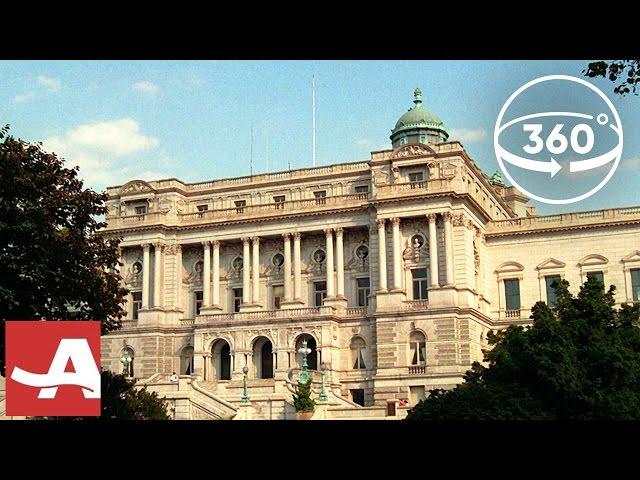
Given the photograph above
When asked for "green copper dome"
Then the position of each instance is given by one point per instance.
(418, 125)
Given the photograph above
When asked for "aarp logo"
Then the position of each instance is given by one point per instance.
(52, 368)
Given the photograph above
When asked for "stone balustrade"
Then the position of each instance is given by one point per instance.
(267, 315)
(563, 220)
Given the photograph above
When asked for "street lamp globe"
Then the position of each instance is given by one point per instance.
(245, 370)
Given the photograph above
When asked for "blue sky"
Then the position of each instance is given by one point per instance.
(192, 120)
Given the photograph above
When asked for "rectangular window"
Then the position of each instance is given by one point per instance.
(240, 204)
(198, 297)
(416, 177)
(203, 208)
(319, 293)
(551, 294)
(321, 197)
(141, 210)
(362, 188)
(278, 296)
(635, 284)
(137, 303)
(357, 396)
(512, 293)
(237, 299)
(279, 201)
(419, 276)
(363, 288)
(597, 275)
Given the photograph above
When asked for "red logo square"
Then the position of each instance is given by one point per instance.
(53, 368)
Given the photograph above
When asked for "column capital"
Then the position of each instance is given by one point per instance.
(381, 222)
(245, 240)
(296, 235)
(146, 247)
(177, 247)
(215, 243)
(431, 217)
(339, 231)
(286, 236)
(328, 232)
(395, 221)
(255, 240)
(159, 245)
(447, 216)
(206, 243)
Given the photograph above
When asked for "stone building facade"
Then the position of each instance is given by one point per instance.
(393, 269)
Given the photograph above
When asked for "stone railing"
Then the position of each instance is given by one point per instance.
(276, 209)
(417, 369)
(437, 185)
(267, 315)
(187, 321)
(511, 313)
(356, 312)
(150, 218)
(564, 220)
(415, 304)
(277, 176)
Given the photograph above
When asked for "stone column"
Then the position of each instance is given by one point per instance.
(339, 263)
(433, 251)
(382, 255)
(145, 275)
(206, 275)
(397, 255)
(246, 270)
(157, 274)
(448, 247)
(215, 301)
(329, 262)
(287, 267)
(297, 268)
(178, 300)
(255, 271)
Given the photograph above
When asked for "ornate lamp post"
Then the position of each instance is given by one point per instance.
(304, 350)
(323, 393)
(125, 360)
(245, 393)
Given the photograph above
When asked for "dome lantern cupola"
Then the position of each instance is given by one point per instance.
(418, 125)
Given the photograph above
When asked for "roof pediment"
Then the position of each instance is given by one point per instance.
(632, 257)
(508, 267)
(593, 259)
(551, 263)
(136, 186)
(413, 150)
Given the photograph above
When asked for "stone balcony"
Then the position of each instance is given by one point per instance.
(425, 187)
(269, 316)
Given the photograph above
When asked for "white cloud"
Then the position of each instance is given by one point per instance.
(103, 151)
(24, 97)
(363, 142)
(467, 135)
(150, 89)
(51, 84)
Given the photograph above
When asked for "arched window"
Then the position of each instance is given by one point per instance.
(186, 361)
(418, 348)
(357, 353)
(126, 360)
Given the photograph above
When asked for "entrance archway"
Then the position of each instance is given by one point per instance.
(263, 357)
(221, 360)
(312, 358)
(186, 361)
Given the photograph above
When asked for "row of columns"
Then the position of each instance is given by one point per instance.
(397, 252)
(335, 278)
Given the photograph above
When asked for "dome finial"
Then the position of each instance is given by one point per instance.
(417, 94)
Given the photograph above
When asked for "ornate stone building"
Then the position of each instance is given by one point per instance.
(393, 269)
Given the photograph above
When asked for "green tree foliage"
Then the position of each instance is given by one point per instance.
(121, 401)
(579, 360)
(624, 73)
(54, 265)
(302, 400)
